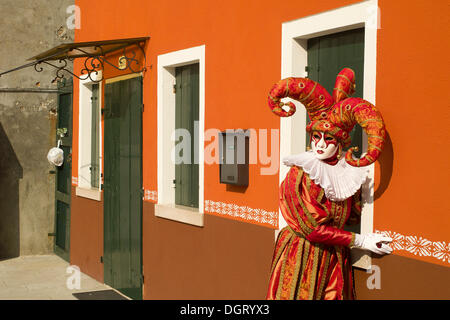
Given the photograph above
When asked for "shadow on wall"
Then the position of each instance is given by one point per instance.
(386, 161)
(10, 173)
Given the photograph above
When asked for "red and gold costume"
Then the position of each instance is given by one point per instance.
(312, 254)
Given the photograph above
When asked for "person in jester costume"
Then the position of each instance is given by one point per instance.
(321, 192)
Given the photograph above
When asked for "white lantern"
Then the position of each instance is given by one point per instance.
(56, 155)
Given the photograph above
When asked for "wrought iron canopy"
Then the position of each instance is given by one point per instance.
(94, 53)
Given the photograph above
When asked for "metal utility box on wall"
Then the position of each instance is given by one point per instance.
(234, 157)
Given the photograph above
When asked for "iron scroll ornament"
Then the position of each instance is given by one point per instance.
(95, 62)
(92, 64)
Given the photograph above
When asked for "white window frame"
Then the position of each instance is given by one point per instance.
(167, 63)
(84, 188)
(295, 35)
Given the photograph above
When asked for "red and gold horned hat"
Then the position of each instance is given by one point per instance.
(335, 114)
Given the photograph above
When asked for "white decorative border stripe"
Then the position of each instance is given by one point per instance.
(419, 246)
(150, 195)
(233, 210)
(75, 181)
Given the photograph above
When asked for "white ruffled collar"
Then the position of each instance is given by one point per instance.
(339, 182)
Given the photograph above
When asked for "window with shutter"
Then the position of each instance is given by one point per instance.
(186, 115)
(327, 56)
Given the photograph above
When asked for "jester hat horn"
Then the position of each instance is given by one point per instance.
(335, 114)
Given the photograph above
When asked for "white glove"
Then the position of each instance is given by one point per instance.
(374, 242)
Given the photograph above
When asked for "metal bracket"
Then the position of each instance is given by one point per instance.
(95, 58)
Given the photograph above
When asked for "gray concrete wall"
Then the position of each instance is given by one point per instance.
(28, 124)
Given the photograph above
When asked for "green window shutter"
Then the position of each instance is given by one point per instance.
(95, 167)
(328, 55)
(186, 114)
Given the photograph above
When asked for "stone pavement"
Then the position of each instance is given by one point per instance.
(41, 278)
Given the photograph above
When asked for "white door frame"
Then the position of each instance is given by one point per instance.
(295, 35)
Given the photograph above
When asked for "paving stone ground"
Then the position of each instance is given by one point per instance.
(41, 278)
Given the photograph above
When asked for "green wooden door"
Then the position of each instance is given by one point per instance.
(328, 55)
(186, 113)
(123, 186)
(64, 173)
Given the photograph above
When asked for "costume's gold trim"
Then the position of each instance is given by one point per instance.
(303, 266)
(326, 210)
(312, 283)
(324, 273)
(336, 215)
(340, 90)
(362, 103)
(301, 242)
(280, 250)
(343, 217)
(375, 147)
(341, 264)
(344, 76)
(274, 100)
(369, 120)
(308, 182)
(375, 136)
(368, 157)
(305, 210)
(314, 88)
(295, 233)
(283, 186)
(320, 196)
(352, 243)
(303, 226)
(282, 274)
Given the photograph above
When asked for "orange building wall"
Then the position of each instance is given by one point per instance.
(86, 237)
(243, 60)
(413, 96)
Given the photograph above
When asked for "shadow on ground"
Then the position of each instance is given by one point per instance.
(10, 173)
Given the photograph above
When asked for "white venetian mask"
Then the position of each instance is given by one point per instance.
(323, 145)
